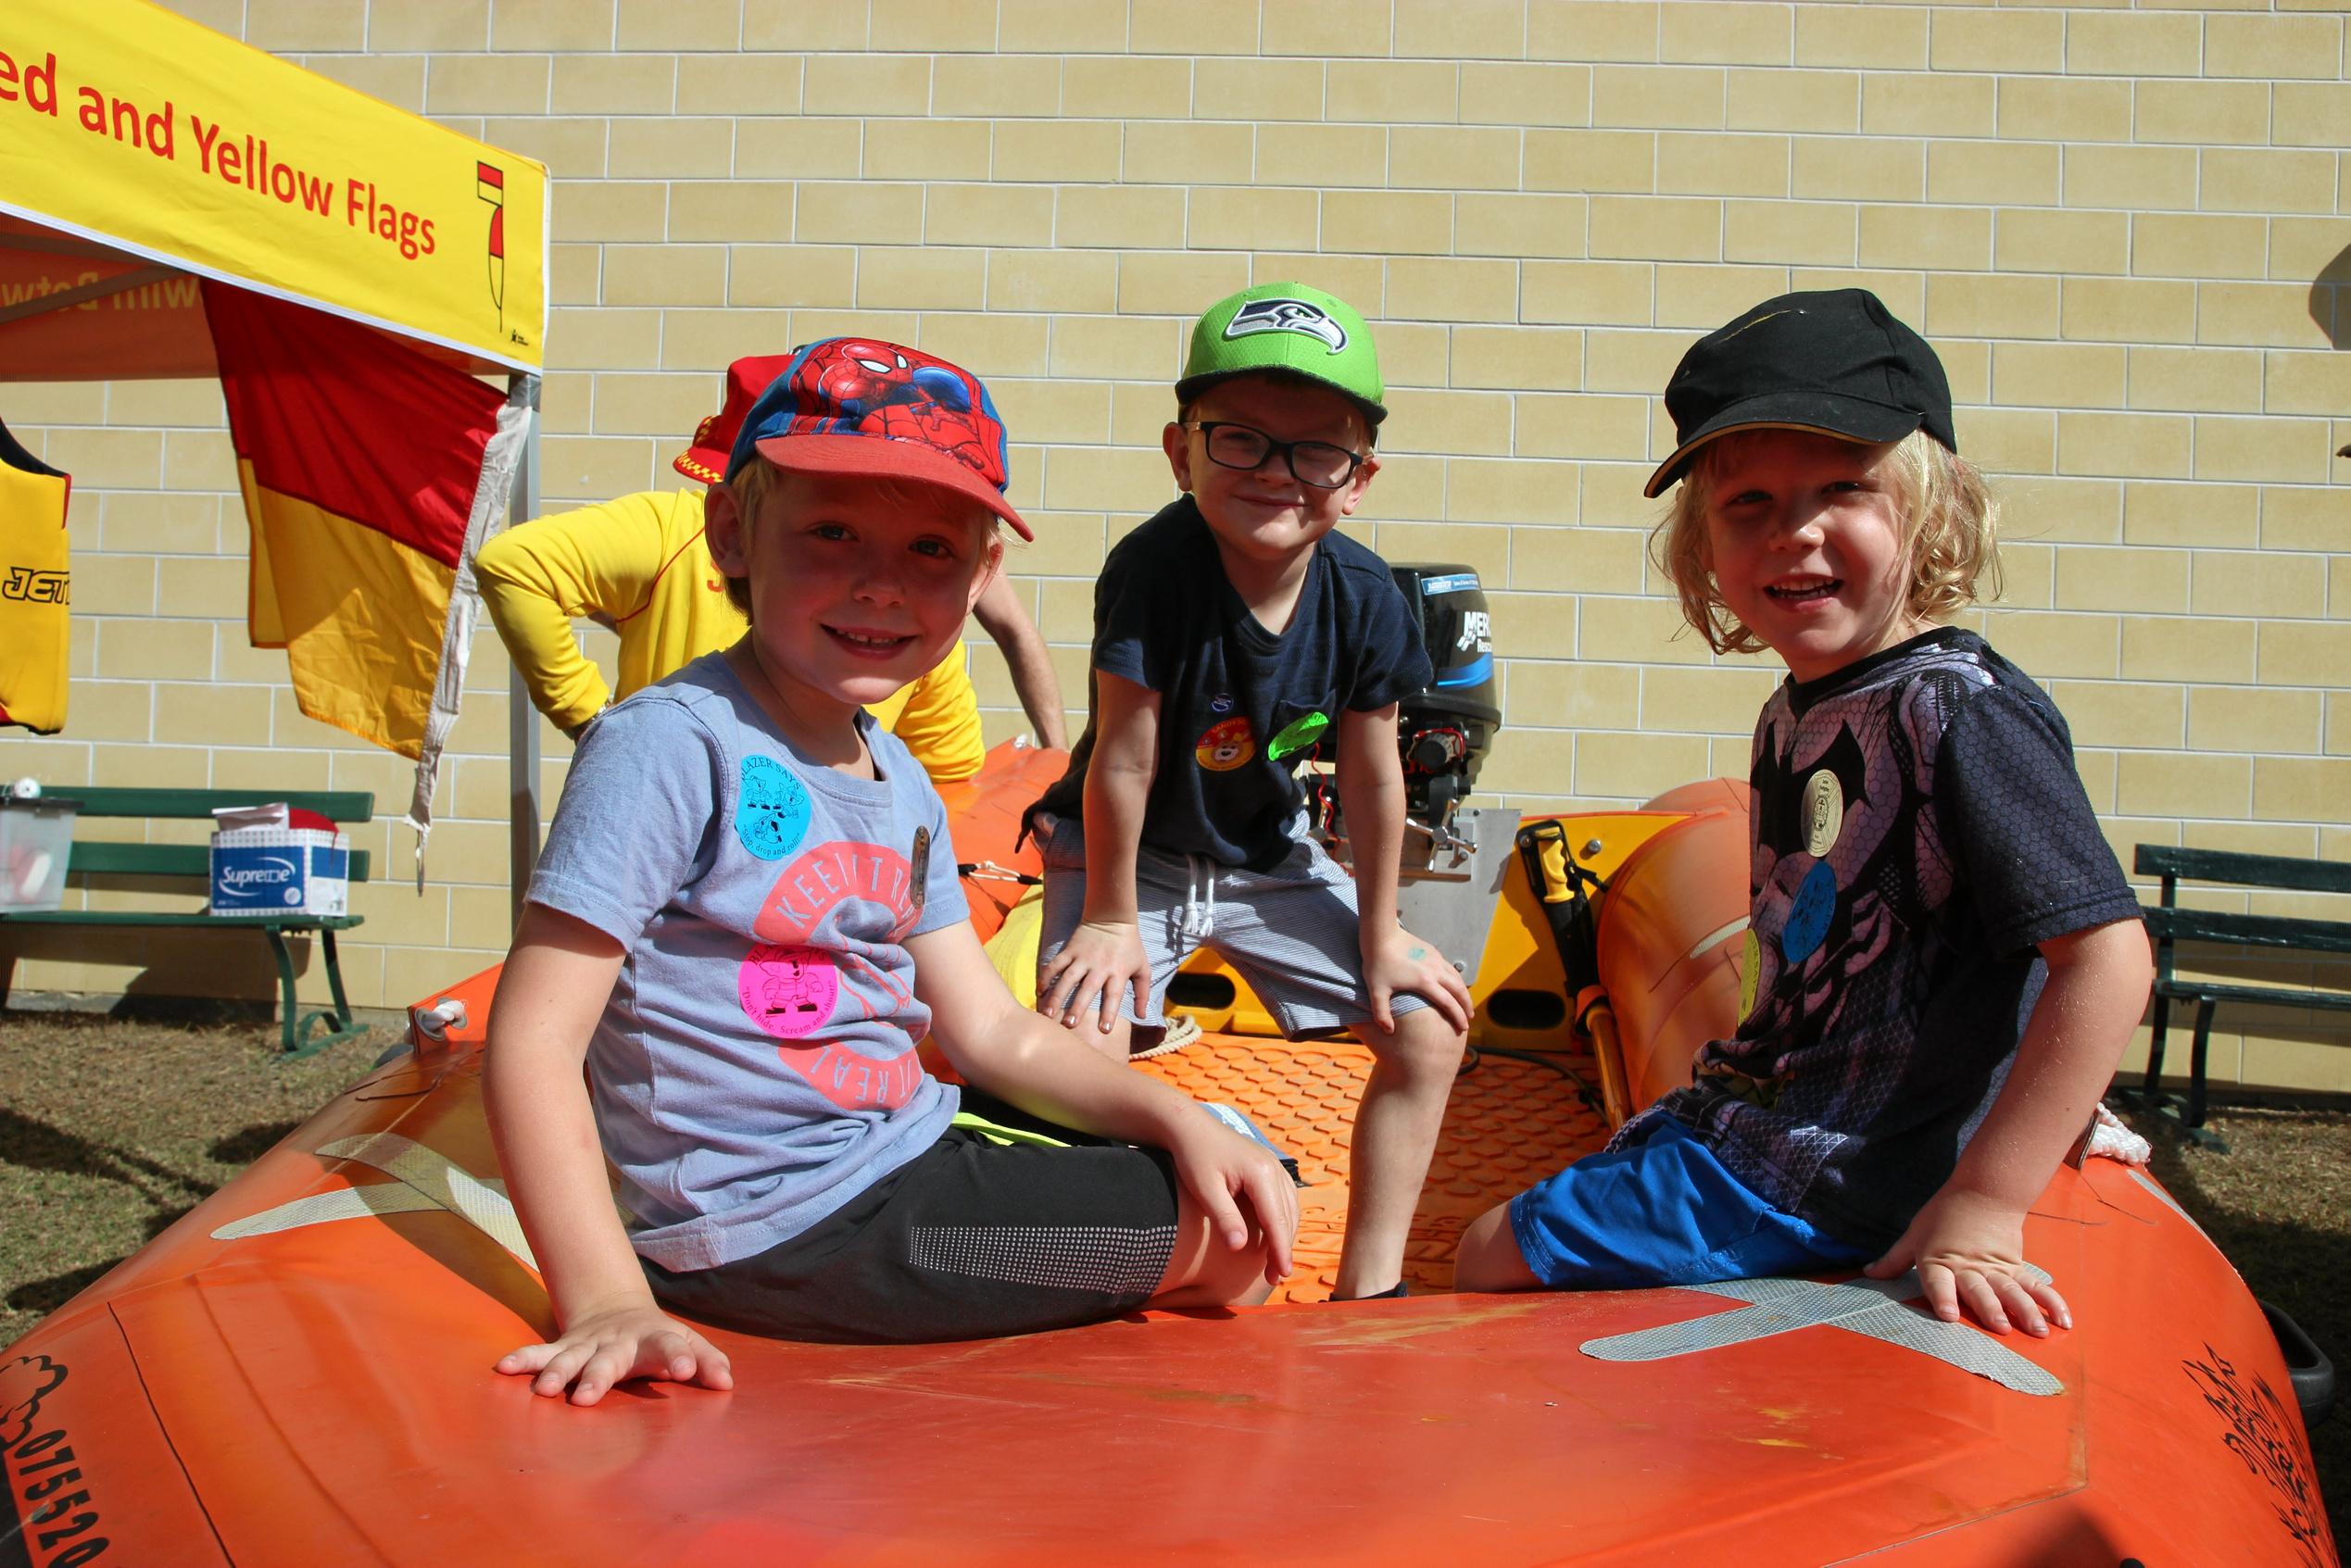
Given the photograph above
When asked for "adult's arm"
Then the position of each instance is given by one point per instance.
(1001, 615)
(938, 718)
(600, 561)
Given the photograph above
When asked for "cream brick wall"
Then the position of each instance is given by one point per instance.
(2127, 229)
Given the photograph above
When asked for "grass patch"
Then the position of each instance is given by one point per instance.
(112, 1129)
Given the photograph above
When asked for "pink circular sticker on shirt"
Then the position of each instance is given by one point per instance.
(789, 992)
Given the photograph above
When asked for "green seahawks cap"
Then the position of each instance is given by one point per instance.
(1290, 327)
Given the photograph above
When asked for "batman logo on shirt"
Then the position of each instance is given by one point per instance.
(1781, 777)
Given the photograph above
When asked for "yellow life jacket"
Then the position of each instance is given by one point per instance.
(33, 595)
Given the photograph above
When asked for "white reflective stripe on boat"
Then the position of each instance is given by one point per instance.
(1867, 1307)
(426, 1179)
(345, 1203)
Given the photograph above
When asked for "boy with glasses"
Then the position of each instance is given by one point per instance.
(1236, 635)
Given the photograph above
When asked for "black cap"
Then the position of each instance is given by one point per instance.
(1831, 360)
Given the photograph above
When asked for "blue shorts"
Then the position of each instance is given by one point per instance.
(1662, 1211)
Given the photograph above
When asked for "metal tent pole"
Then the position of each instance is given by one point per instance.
(521, 717)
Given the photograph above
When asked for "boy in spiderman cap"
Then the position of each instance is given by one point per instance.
(746, 917)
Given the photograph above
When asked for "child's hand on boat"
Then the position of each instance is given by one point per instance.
(1396, 960)
(598, 1349)
(1233, 1180)
(1968, 1249)
(1093, 974)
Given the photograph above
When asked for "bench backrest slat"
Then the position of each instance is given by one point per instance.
(104, 800)
(2285, 872)
(99, 859)
(2257, 931)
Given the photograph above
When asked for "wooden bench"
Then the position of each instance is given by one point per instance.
(2170, 924)
(182, 868)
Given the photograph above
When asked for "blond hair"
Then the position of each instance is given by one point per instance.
(1950, 531)
(749, 488)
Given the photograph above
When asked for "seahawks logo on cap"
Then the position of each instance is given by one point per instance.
(1287, 315)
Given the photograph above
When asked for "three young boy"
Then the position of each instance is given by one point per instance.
(746, 959)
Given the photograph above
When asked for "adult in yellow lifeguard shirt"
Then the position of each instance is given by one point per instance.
(33, 640)
(639, 565)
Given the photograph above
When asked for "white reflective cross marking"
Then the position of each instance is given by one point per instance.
(425, 1179)
(1867, 1307)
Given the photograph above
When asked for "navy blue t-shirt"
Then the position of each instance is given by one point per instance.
(1230, 692)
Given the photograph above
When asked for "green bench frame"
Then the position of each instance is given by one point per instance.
(2168, 923)
(191, 862)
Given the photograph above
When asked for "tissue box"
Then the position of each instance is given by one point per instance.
(261, 865)
(36, 838)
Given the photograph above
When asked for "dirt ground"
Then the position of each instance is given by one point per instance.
(110, 1130)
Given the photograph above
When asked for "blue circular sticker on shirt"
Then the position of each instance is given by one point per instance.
(1808, 916)
(771, 817)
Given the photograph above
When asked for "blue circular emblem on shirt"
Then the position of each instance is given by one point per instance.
(771, 817)
(1808, 917)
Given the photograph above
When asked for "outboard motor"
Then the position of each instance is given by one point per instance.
(1444, 729)
(1455, 856)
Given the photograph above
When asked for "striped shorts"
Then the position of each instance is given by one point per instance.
(1290, 932)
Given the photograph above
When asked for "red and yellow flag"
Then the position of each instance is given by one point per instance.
(370, 471)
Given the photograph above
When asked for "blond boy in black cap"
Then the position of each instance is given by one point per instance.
(1944, 963)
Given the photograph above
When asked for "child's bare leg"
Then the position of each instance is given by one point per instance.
(1489, 1258)
(1203, 1271)
(1396, 1129)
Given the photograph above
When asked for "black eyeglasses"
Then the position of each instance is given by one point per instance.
(1315, 463)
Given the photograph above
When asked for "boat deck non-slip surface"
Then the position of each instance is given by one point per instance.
(1509, 1123)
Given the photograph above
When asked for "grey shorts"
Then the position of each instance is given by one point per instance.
(1290, 932)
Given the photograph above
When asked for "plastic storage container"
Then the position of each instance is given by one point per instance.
(36, 838)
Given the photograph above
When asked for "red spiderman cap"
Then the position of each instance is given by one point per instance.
(860, 406)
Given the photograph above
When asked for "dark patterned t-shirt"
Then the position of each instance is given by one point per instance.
(1919, 827)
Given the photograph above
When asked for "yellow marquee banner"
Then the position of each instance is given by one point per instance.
(124, 122)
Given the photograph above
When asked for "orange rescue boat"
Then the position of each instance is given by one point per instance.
(299, 1370)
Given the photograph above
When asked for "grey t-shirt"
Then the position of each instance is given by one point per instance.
(754, 1069)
